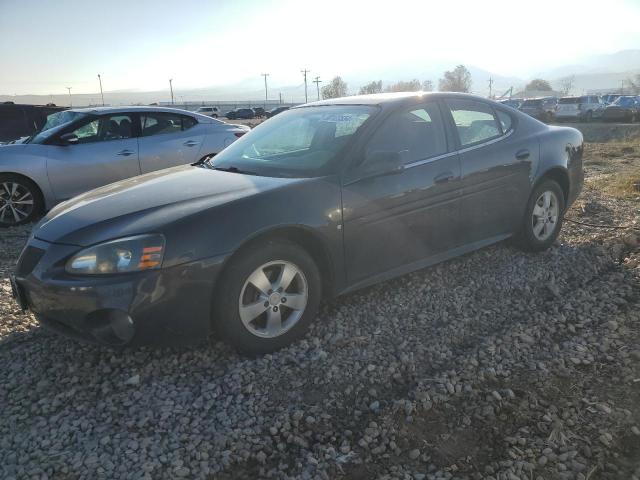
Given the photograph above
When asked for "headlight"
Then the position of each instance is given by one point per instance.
(131, 254)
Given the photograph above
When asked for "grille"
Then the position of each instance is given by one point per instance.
(28, 260)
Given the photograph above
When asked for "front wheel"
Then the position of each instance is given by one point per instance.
(542, 218)
(20, 200)
(268, 297)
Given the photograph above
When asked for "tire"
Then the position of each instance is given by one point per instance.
(255, 329)
(20, 200)
(530, 238)
(588, 117)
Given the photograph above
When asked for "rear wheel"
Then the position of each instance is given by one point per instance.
(268, 297)
(20, 200)
(589, 116)
(543, 217)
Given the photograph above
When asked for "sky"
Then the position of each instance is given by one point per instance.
(48, 45)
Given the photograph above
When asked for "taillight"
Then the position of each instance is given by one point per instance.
(239, 134)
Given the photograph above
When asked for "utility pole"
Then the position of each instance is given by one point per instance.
(171, 88)
(70, 104)
(101, 95)
(621, 87)
(317, 81)
(304, 72)
(266, 93)
(490, 86)
(280, 97)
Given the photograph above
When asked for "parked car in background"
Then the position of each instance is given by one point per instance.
(321, 200)
(542, 109)
(18, 121)
(259, 112)
(512, 102)
(610, 98)
(241, 113)
(275, 111)
(623, 109)
(80, 149)
(583, 109)
(209, 111)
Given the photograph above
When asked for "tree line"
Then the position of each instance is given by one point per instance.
(456, 80)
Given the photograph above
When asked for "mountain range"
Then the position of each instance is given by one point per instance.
(603, 72)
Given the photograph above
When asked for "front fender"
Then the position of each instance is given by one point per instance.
(22, 160)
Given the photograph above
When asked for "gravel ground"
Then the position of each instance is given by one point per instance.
(495, 365)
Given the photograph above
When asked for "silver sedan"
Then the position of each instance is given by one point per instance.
(82, 149)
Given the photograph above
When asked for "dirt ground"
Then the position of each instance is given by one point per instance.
(498, 365)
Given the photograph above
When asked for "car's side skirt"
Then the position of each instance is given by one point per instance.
(427, 262)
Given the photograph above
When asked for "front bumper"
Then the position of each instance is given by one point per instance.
(164, 307)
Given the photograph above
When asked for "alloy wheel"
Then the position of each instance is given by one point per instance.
(273, 299)
(545, 215)
(16, 203)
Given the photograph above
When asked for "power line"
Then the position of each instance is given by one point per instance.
(266, 96)
(101, 94)
(317, 81)
(304, 72)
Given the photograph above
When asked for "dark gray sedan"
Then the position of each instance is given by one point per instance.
(320, 200)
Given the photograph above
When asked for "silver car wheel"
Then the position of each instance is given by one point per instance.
(16, 203)
(273, 299)
(545, 215)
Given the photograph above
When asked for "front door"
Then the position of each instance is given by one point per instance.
(168, 139)
(107, 151)
(392, 221)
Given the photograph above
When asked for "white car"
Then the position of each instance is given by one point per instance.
(581, 109)
(209, 111)
(81, 149)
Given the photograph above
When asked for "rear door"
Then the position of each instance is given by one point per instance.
(168, 139)
(392, 221)
(496, 164)
(107, 151)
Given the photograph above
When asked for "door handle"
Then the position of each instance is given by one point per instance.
(125, 153)
(522, 155)
(190, 143)
(443, 177)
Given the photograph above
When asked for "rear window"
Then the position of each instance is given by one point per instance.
(570, 100)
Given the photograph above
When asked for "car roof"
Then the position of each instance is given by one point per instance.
(140, 108)
(395, 98)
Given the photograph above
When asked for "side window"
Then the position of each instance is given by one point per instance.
(88, 132)
(505, 120)
(111, 127)
(159, 123)
(417, 134)
(475, 121)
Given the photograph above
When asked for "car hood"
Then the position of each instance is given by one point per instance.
(146, 203)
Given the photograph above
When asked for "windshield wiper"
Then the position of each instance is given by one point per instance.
(234, 170)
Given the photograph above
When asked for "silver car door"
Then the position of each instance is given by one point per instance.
(169, 139)
(106, 151)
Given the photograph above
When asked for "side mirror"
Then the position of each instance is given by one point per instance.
(381, 163)
(69, 139)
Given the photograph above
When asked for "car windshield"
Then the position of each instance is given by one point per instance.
(624, 102)
(532, 103)
(55, 121)
(300, 142)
